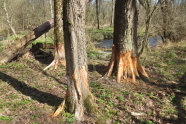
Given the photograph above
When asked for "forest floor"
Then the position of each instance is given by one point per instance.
(30, 95)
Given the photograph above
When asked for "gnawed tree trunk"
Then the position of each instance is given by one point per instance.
(78, 98)
(124, 59)
(12, 50)
(59, 57)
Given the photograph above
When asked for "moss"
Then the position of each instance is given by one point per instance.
(69, 105)
(69, 22)
(89, 105)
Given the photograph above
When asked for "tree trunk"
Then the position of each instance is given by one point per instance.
(125, 41)
(59, 57)
(97, 13)
(51, 9)
(165, 13)
(9, 53)
(78, 93)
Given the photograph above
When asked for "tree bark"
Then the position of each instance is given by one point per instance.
(78, 92)
(9, 53)
(165, 13)
(125, 41)
(59, 57)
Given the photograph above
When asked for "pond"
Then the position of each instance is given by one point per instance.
(153, 41)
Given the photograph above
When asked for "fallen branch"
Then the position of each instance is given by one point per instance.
(12, 50)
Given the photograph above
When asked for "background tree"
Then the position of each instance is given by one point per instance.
(150, 8)
(98, 13)
(125, 30)
(112, 17)
(8, 19)
(78, 93)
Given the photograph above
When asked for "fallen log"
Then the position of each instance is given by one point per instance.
(12, 50)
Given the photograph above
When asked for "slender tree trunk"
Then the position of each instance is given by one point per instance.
(146, 37)
(125, 36)
(97, 13)
(137, 66)
(58, 31)
(8, 20)
(9, 53)
(51, 9)
(78, 92)
(23, 22)
(146, 4)
(165, 13)
(112, 16)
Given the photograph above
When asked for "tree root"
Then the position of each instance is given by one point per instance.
(59, 58)
(54, 64)
(60, 108)
(127, 66)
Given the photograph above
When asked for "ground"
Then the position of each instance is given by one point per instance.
(30, 95)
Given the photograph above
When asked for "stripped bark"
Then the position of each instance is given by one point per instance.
(12, 50)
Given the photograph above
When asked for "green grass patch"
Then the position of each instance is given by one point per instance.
(100, 34)
(95, 54)
(5, 118)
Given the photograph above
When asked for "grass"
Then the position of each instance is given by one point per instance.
(27, 92)
(100, 34)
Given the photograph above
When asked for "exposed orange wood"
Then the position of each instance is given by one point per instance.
(60, 108)
(84, 77)
(141, 68)
(127, 66)
(76, 83)
(134, 63)
(119, 68)
(59, 58)
(111, 64)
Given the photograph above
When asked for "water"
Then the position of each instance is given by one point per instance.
(152, 42)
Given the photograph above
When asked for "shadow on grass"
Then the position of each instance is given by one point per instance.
(35, 94)
(60, 82)
(42, 56)
(177, 101)
(101, 69)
